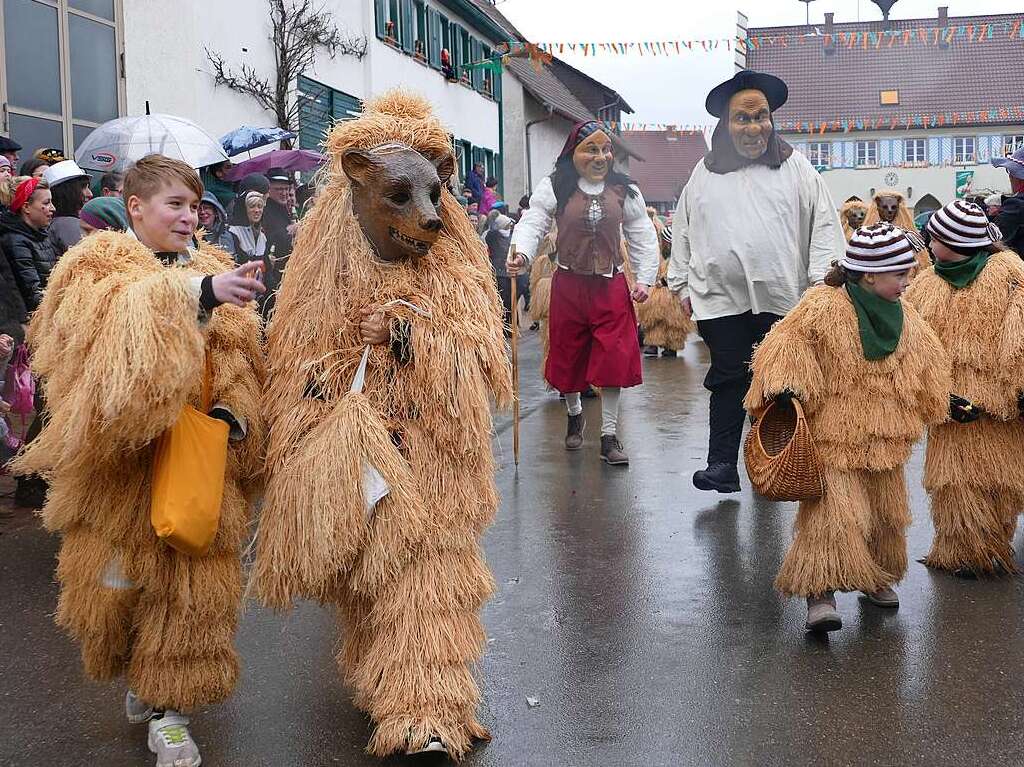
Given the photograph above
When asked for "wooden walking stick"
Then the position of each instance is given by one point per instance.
(515, 368)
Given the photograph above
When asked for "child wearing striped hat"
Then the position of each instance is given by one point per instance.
(973, 298)
(871, 375)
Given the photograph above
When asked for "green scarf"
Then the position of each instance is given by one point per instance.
(960, 274)
(880, 322)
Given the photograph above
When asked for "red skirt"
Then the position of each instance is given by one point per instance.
(593, 334)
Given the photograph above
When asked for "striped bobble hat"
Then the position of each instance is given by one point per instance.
(962, 224)
(881, 247)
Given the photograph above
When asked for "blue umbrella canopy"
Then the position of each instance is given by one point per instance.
(247, 138)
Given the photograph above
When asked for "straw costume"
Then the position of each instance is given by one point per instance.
(890, 206)
(662, 318)
(853, 214)
(541, 272)
(119, 341)
(406, 572)
(868, 396)
(974, 471)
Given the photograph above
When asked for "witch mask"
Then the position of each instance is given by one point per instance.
(396, 197)
(750, 123)
(593, 157)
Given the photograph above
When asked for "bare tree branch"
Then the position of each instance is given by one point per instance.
(297, 31)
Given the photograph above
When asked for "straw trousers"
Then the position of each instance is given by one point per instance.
(852, 539)
(731, 341)
(974, 475)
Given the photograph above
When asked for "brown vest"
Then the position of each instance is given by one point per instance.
(590, 230)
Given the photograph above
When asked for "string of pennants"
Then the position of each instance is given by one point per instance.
(995, 115)
(863, 40)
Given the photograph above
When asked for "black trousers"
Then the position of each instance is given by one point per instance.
(731, 342)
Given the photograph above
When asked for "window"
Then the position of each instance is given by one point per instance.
(59, 76)
(888, 98)
(1011, 144)
(915, 151)
(867, 154)
(465, 55)
(818, 153)
(488, 75)
(421, 33)
(319, 106)
(964, 150)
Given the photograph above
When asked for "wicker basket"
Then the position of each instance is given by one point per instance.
(780, 457)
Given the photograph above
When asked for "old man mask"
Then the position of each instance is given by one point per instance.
(396, 197)
(745, 133)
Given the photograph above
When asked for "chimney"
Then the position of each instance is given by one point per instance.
(943, 23)
(830, 39)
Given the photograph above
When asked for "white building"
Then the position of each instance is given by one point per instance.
(873, 107)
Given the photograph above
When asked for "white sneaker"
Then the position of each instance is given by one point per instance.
(169, 739)
(136, 709)
(434, 746)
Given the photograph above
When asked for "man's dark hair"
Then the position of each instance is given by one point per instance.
(111, 180)
(29, 166)
(491, 181)
(67, 197)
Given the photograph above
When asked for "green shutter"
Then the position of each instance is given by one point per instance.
(380, 8)
(434, 38)
(406, 25)
(476, 54)
(455, 34)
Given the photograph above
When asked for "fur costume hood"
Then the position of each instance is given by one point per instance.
(982, 328)
(862, 414)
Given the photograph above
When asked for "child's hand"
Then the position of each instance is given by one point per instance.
(6, 345)
(239, 286)
(373, 327)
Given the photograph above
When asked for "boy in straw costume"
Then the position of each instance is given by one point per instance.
(376, 498)
(871, 375)
(852, 214)
(974, 300)
(664, 322)
(119, 341)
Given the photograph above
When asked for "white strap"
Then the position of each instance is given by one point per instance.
(357, 382)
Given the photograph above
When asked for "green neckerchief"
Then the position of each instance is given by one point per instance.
(880, 322)
(960, 274)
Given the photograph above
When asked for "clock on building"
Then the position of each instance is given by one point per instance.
(892, 178)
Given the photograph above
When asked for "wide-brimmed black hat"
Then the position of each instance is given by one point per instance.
(774, 89)
(9, 145)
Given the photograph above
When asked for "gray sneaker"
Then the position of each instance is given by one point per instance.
(169, 739)
(884, 597)
(822, 614)
(136, 709)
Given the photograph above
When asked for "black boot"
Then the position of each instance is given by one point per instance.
(30, 492)
(721, 477)
(574, 432)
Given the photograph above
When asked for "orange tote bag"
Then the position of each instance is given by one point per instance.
(188, 476)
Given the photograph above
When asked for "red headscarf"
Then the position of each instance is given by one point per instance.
(23, 192)
(580, 132)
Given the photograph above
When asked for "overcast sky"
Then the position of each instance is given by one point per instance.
(671, 89)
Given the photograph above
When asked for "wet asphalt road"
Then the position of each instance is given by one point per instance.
(638, 611)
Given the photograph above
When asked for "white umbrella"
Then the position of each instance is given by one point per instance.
(117, 144)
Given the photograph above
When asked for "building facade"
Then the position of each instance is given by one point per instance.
(873, 106)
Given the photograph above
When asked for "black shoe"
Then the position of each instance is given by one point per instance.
(669, 353)
(574, 432)
(589, 393)
(721, 477)
(650, 351)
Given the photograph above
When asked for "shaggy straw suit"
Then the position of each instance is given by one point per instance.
(119, 347)
(662, 317)
(864, 416)
(975, 472)
(409, 577)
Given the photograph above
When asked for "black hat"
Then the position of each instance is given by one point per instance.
(280, 174)
(774, 89)
(254, 182)
(9, 145)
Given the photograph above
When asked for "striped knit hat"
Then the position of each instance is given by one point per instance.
(881, 247)
(962, 225)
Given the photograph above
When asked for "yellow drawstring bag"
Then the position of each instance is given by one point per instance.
(188, 476)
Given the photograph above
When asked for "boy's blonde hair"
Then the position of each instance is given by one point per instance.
(150, 174)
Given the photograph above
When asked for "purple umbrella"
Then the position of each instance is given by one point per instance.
(288, 159)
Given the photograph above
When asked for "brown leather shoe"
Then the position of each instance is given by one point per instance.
(822, 614)
(574, 432)
(884, 597)
(612, 452)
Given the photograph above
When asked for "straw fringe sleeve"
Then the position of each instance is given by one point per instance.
(407, 575)
(975, 503)
(863, 414)
(662, 317)
(117, 342)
